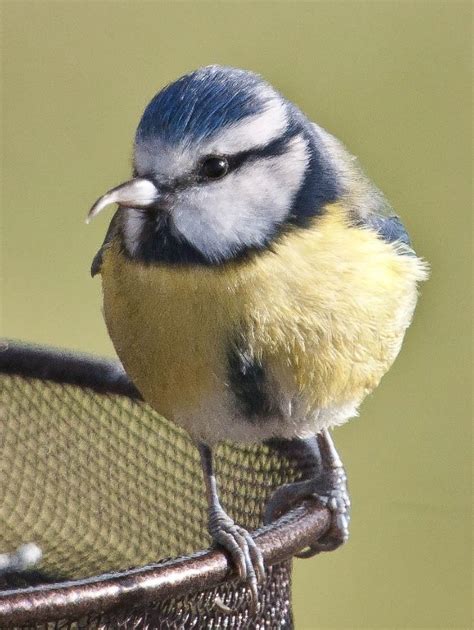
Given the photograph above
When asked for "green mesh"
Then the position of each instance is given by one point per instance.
(102, 483)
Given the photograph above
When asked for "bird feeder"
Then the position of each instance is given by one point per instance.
(110, 495)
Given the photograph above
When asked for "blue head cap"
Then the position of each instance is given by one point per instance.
(201, 103)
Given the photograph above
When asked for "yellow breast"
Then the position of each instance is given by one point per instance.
(325, 311)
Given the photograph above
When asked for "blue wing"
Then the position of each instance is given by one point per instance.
(389, 228)
(364, 201)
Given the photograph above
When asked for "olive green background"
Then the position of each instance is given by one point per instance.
(392, 80)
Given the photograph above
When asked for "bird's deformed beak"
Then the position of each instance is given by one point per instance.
(136, 193)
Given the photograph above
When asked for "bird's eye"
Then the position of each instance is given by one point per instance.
(214, 167)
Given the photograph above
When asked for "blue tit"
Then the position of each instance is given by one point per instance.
(256, 284)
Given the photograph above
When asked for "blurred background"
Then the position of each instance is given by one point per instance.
(392, 81)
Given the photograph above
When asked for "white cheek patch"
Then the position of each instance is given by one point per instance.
(244, 208)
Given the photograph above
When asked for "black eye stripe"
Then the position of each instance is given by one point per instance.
(275, 147)
(272, 149)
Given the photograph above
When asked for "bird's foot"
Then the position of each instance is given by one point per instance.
(245, 554)
(329, 488)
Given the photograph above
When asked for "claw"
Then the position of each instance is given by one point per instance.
(219, 604)
(253, 597)
(245, 555)
(310, 552)
(329, 489)
(257, 562)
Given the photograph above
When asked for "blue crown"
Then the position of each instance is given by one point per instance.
(202, 102)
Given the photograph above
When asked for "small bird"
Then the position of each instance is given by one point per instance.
(256, 284)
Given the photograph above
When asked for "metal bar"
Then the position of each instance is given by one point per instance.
(278, 542)
(62, 366)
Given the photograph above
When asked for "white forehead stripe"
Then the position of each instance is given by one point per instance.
(250, 132)
(152, 156)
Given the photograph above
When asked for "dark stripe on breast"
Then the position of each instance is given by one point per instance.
(249, 384)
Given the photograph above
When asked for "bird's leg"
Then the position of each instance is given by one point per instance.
(237, 541)
(324, 479)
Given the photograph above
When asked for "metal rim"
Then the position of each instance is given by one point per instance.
(175, 578)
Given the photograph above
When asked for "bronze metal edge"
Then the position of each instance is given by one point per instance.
(175, 578)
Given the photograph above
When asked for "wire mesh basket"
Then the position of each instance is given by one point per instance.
(112, 493)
